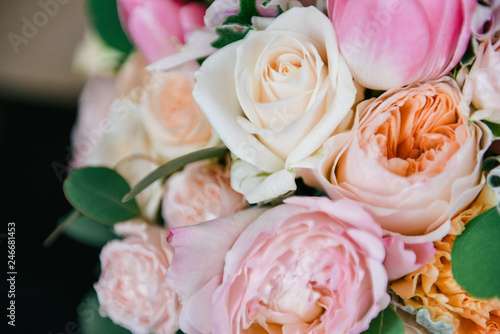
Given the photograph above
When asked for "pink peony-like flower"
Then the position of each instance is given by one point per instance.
(160, 27)
(310, 265)
(391, 43)
(201, 192)
(413, 161)
(131, 289)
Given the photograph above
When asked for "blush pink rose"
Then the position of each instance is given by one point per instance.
(391, 43)
(174, 123)
(160, 27)
(131, 289)
(413, 160)
(201, 192)
(309, 265)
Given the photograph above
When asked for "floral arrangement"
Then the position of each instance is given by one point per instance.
(290, 166)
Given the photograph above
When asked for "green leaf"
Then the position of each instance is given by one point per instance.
(103, 15)
(228, 35)
(245, 14)
(494, 127)
(97, 193)
(469, 55)
(90, 320)
(387, 322)
(235, 27)
(491, 163)
(474, 261)
(90, 232)
(173, 166)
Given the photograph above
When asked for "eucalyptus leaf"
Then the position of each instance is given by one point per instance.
(469, 55)
(173, 166)
(491, 163)
(387, 322)
(97, 192)
(104, 17)
(90, 232)
(228, 35)
(474, 263)
(494, 127)
(90, 320)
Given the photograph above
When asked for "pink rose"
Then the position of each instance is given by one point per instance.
(201, 192)
(160, 27)
(413, 161)
(309, 265)
(132, 290)
(389, 44)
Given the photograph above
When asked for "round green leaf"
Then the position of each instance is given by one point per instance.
(90, 320)
(97, 192)
(474, 261)
(104, 17)
(89, 232)
(387, 322)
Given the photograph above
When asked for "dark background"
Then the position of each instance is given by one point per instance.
(38, 104)
(50, 282)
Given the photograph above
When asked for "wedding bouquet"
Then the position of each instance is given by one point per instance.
(290, 166)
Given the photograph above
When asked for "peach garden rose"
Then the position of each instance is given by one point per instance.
(310, 265)
(413, 161)
(275, 97)
(174, 123)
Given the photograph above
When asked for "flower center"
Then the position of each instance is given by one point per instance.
(417, 135)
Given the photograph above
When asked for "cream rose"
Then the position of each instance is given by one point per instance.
(201, 192)
(275, 97)
(172, 119)
(131, 289)
(413, 161)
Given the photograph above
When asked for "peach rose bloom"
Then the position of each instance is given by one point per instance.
(131, 289)
(174, 122)
(201, 192)
(412, 160)
(433, 287)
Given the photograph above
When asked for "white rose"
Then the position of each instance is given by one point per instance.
(275, 97)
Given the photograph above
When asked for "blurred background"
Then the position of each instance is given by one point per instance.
(38, 103)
